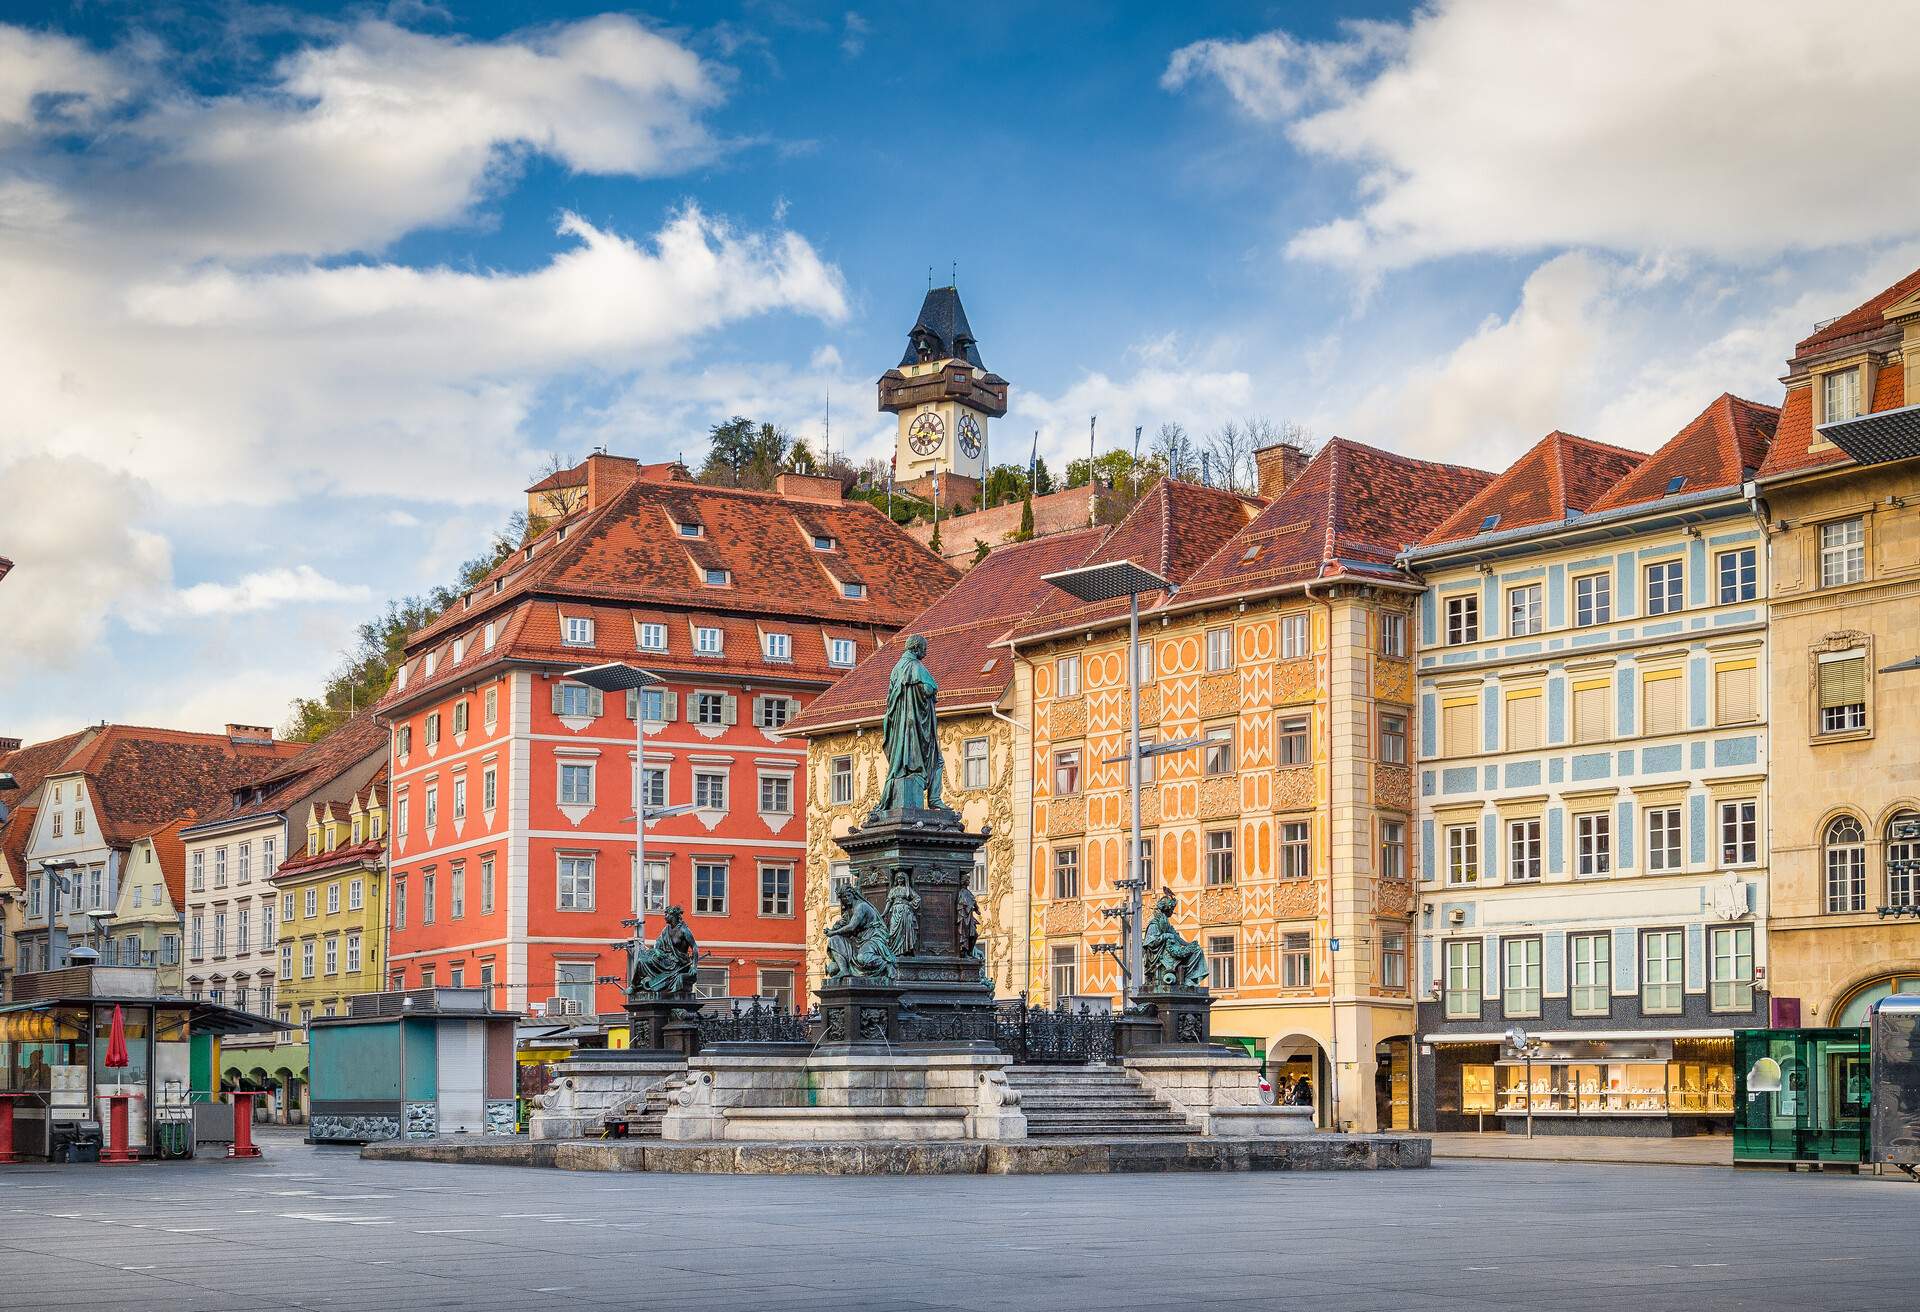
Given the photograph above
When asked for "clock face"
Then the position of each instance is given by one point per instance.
(926, 434)
(969, 430)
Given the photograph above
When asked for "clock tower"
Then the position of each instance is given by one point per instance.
(943, 395)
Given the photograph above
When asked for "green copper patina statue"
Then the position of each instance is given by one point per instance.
(910, 734)
(1174, 964)
(858, 944)
(669, 968)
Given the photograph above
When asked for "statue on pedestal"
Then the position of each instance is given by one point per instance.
(966, 928)
(911, 735)
(858, 944)
(669, 968)
(1173, 964)
(903, 914)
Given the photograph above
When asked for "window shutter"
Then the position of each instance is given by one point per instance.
(1843, 682)
(1459, 725)
(1733, 693)
(1523, 723)
(760, 711)
(669, 705)
(1663, 705)
(793, 709)
(595, 702)
(633, 703)
(556, 698)
(729, 709)
(1590, 712)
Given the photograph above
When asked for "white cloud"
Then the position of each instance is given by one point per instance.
(1187, 392)
(266, 589)
(1736, 128)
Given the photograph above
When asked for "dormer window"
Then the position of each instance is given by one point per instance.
(459, 649)
(825, 542)
(854, 591)
(778, 646)
(708, 641)
(840, 651)
(578, 631)
(719, 578)
(1841, 395)
(486, 637)
(689, 530)
(653, 637)
(433, 660)
(499, 585)
(399, 681)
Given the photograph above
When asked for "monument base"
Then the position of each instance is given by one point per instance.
(663, 1025)
(1218, 1091)
(590, 1089)
(859, 1013)
(846, 1095)
(1166, 1020)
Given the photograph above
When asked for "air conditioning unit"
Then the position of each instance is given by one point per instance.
(563, 1007)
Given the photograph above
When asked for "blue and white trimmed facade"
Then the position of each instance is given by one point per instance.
(1591, 817)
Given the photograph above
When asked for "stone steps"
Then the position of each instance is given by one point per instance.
(1092, 1102)
(646, 1124)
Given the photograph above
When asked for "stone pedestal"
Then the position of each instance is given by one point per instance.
(663, 1025)
(858, 1014)
(588, 1089)
(937, 854)
(1218, 1091)
(1166, 1020)
(846, 1095)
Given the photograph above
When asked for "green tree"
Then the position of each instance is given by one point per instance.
(980, 550)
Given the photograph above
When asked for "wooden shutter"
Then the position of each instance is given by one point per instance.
(633, 703)
(1661, 694)
(729, 709)
(1590, 711)
(556, 697)
(669, 705)
(596, 703)
(1843, 682)
(1523, 722)
(1457, 724)
(1733, 692)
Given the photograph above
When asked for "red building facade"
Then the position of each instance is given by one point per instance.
(513, 789)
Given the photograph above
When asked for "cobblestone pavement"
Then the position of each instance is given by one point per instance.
(320, 1229)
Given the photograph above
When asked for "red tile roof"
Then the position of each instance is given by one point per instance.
(13, 837)
(316, 765)
(1858, 325)
(1559, 475)
(1721, 447)
(1794, 450)
(961, 630)
(368, 851)
(1352, 510)
(171, 854)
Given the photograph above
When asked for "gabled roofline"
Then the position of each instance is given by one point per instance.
(1600, 521)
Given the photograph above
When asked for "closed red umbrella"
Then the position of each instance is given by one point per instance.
(117, 1039)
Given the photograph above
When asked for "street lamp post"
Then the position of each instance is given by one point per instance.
(57, 883)
(1526, 1048)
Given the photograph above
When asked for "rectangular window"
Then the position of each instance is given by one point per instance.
(1463, 854)
(841, 651)
(1739, 833)
(399, 904)
(709, 708)
(198, 866)
(1523, 851)
(429, 899)
(654, 889)
(1460, 726)
(306, 959)
(433, 806)
(1393, 960)
(1393, 737)
(1219, 857)
(1734, 700)
(1393, 634)
(460, 716)
(572, 980)
(286, 908)
(489, 788)
(433, 730)
(1143, 661)
(776, 794)
(1843, 552)
(1840, 395)
(491, 704)
(710, 888)
(1732, 979)
(1296, 850)
(486, 885)
(1520, 982)
(219, 867)
(1463, 978)
(1664, 587)
(712, 981)
(1739, 573)
(268, 861)
(1066, 772)
(776, 986)
(1296, 960)
(333, 899)
(1662, 963)
(1066, 675)
(1220, 962)
(1843, 693)
(1661, 698)
(1593, 843)
(652, 705)
(977, 874)
(460, 797)
(312, 903)
(973, 763)
(574, 882)
(1219, 750)
(1846, 863)
(457, 890)
(653, 637)
(1292, 746)
(841, 780)
(1463, 619)
(333, 955)
(1066, 872)
(718, 578)
(708, 641)
(1592, 959)
(772, 712)
(1663, 839)
(839, 876)
(574, 699)
(776, 890)
(1524, 610)
(576, 784)
(1063, 970)
(243, 924)
(710, 790)
(1293, 637)
(1219, 649)
(1523, 722)
(1593, 599)
(653, 787)
(1393, 849)
(356, 894)
(579, 631)
(1591, 723)
(243, 866)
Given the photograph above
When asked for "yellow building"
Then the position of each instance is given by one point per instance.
(332, 895)
(1285, 835)
(1840, 493)
(983, 720)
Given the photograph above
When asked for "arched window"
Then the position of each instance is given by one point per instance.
(1903, 862)
(1846, 852)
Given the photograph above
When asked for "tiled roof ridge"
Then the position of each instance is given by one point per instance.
(1863, 319)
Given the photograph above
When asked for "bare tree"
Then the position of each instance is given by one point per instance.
(1227, 457)
(555, 503)
(1175, 451)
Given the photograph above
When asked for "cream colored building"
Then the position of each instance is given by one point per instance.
(1840, 493)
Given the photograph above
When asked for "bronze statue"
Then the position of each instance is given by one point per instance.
(910, 734)
(858, 945)
(903, 914)
(1173, 964)
(966, 928)
(669, 968)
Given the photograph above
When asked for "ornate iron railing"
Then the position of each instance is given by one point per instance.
(757, 1023)
(950, 1026)
(1061, 1036)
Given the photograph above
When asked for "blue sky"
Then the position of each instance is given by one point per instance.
(299, 296)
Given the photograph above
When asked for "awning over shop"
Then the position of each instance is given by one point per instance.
(36, 1022)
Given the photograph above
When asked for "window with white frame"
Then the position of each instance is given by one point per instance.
(710, 790)
(487, 636)
(1593, 599)
(1143, 661)
(1217, 750)
(1221, 956)
(1463, 854)
(1663, 839)
(776, 986)
(1524, 610)
(839, 876)
(1845, 851)
(1393, 634)
(1463, 619)
(333, 898)
(197, 868)
(1593, 843)
(306, 958)
(1731, 981)
(573, 699)
(653, 787)
(1903, 862)
(708, 640)
(486, 885)
(1066, 872)
(457, 890)
(973, 763)
(654, 888)
(332, 955)
(1296, 959)
(576, 783)
(1291, 747)
(777, 646)
(772, 712)
(220, 867)
(977, 875)
(573, 981)
(776, 890)
(776, 794)
(1393, 849)
(716, 577)
(1840, 395)
(574, 882)
(578, 631)
(653, 637)
(429, 895)
(311, 907)
(853, 591)
(1462, 984)
(841, 651)
(1740, 832)
(709, 708)
(1739, 574)
(1294, 642)
(1066, 676)
(1591, 958)
(1063, 970)
(1523, 850)
(433, 729)
(1296, 850)
(1662, 971)
(1219, 649)
(1220, 854)
(840, 780)
(710, 887)
(1664, 587)
(489, 788)
(459, 797)
(1520, 979)
(356, 894)
(1843, 552)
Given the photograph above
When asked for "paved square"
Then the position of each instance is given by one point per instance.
(318, 1228)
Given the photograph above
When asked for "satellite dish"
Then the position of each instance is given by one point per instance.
(1764, 1077)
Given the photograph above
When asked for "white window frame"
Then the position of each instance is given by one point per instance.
(1666, 586)
(777, 646)
(1462, 619)
(709, 640)
(574, 879)
(1593, 599)
(1524, 849)
(653, 637)
(1737, 571)
(1593, 844)
(1666, 840)
(1843, 552)
(1526, 610)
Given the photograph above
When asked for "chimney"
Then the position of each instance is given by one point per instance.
(1278, 466)
(608, 476)
(809, 487)
(9, 744)
(249, 733)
